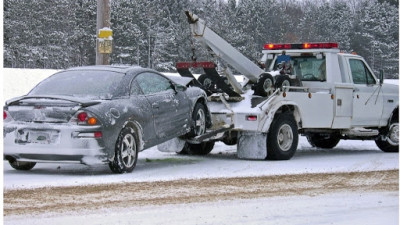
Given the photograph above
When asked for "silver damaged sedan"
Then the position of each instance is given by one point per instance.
(101, 114)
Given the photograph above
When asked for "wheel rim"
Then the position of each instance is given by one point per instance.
(128, 150)
(207, 83)
(285, 137)
(393, 137)
(200, 122)
(268, 85)
(286, 83)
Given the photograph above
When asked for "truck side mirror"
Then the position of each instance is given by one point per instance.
(381, 77)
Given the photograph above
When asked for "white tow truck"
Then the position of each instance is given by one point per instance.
(311, 89)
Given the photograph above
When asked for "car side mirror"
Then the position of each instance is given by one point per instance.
(381, 77)
(179, 88)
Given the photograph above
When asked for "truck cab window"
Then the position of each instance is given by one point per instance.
(360, 73)
(309, 68)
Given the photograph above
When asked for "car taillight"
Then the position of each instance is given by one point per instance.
(84, 118)
(6, 116)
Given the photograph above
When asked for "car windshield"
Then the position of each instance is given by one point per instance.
(89, 84)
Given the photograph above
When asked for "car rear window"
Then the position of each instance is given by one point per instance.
(98, 84)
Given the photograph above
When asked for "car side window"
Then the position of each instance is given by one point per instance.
(151, 83)
(360, 73)
(135, 90)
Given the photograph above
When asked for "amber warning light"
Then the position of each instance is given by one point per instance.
(321, 45)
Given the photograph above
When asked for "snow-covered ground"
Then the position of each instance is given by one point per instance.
(338, 208)
(221, 162)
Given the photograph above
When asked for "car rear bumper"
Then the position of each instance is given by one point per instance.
(53, 143)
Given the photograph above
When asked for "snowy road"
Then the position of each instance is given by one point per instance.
(153, 165)
(353, 183)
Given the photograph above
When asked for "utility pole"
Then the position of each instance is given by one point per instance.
(103, 21)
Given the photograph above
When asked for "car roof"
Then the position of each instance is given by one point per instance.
(113, 68)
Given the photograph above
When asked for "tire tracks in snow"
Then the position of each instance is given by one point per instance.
(123, 195)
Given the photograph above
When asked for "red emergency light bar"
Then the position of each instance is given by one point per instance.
(186, 65)
(321, 45)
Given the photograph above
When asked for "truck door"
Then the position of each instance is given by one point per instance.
(367, 98)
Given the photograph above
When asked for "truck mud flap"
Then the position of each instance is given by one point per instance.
(252, 145)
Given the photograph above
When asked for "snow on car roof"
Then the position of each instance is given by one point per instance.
(114, 68)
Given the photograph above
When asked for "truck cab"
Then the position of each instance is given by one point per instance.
(361, 106)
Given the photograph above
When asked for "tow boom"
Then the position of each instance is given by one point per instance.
(223, 49)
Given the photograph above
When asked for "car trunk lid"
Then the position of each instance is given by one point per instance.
(45, 108)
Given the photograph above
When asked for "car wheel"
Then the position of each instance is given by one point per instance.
(265, 85)
(18, 165)
(198, 120)
(388, 141)
(323, 141)
(126, 152)
(282, 138)
(282, 80)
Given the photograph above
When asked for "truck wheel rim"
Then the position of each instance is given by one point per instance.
(128, 150)
(393, 136)
(285, 137)
(286, 83)
(268, 85)
(200, 122)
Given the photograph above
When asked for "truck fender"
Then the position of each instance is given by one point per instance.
(394, 115)
(278, 108)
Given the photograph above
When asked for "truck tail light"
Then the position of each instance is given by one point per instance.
(251, 118)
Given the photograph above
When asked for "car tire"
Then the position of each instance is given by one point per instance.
(282, 80)
(388, 141)
(282, 138)
(265, 85)
(18, 165)
(198, 120)
(126, 152)
(326, 141)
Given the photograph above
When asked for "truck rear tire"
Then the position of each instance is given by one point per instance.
(18, 165)
(265, 85)
(282, 80)
(323, 141)
(283, 137)
(197, 149)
